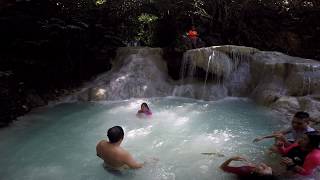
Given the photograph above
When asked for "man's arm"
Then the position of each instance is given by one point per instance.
(128, 160)
(98, 149)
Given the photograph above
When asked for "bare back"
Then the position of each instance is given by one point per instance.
(115, 156)
(111, 154)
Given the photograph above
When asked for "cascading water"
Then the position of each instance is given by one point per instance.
(137, 72)
(224, 71)
(206, 78)
(229, 69)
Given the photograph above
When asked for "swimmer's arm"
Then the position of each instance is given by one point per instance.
(225, 165)
(128, 160)
(264, 137)
(98, 149)
(274, 135)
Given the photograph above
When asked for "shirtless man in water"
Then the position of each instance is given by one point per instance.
(114, 156)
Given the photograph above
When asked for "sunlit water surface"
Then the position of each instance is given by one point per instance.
(59, 142)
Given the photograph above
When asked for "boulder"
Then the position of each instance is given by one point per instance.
(286, 105)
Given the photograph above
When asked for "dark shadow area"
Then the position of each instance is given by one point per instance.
(49, 47)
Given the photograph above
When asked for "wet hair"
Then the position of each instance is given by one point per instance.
(255, 176)
(314, 139)
(145, 104)
(302, 115)
(115, 134)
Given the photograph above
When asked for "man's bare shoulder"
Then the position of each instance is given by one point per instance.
(121, 151)
(102, 142)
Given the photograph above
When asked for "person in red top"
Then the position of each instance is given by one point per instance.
(144, 111)
(249, 171)
(303, 157)
(193, 36)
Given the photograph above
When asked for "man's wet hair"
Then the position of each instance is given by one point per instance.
(115, 134)
(314, 139)
(302, 115)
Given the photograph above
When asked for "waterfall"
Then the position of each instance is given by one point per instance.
(208, 73)
(229, 67)
(137, 72)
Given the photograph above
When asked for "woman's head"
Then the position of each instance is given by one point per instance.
(310, 140)
(261, 172)
(144, 107)
(263, 169)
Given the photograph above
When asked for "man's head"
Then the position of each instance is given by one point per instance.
(300, 121)
(115, 134)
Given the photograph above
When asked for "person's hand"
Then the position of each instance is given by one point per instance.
(287, 161)
(257, 139)
(278, 135)
(276, 132)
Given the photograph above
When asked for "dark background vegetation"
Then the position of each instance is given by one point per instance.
(48, 47)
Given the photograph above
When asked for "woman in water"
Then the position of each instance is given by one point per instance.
(250, 171)
(144, 111)
(303, 157)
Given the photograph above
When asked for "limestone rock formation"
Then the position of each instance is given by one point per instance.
(285, 83)
(136, 73)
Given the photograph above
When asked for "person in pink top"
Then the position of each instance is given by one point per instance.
(303, 157)
(249, 171)
(144, 111)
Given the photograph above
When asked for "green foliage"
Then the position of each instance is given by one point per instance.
(146, 28)
(100, 2)
(147, 18)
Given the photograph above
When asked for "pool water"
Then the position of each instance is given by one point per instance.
(59, 142)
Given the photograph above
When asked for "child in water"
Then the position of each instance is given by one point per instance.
(144, 111)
